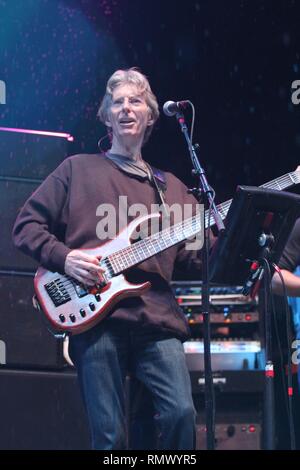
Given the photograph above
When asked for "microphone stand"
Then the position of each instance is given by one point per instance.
(204, 194)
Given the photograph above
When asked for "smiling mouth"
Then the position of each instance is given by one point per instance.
(126, 121)
(127, 124)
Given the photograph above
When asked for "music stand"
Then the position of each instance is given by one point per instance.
(257, 228)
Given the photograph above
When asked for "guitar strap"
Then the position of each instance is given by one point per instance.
(159, 179)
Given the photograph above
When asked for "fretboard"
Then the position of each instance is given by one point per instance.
(280, 183)
(154, 244)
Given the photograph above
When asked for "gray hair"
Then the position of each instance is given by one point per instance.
(135, 77)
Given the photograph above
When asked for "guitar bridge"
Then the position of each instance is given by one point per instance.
(57, 292)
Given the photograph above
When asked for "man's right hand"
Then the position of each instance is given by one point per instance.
(84, 268)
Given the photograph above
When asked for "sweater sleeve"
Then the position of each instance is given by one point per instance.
(39, 228)
(290, 258)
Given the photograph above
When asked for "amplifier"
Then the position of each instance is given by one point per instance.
(13, 197)
(238, 422)
(25, 341)
(226, 355)
(224, 314)
(237, 366)
(227, 304)
(227, 381)
(190, 288)
(29, 155)
(232, 436)
(41, 411)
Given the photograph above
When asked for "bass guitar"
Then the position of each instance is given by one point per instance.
(74, 308)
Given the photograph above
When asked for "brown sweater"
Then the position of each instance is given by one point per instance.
(61, 216)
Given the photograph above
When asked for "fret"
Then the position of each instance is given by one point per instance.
(186, 231)
(137, 254)
(177, 230)
(161, 242)
(195, 229)
(118, 264)
(177, 234)
(135, 258)
(294, 176)
(131, 256)
(223, 210)
(282, 182)
(285, 181)
(195, 223)
(167, 239)
(122, 264)
(112, 263)
(272, 185)
(153, 246)
(145, 249)
(154, 249)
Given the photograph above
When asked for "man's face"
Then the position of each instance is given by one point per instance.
(129, 114)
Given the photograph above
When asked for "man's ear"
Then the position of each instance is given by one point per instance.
(150, 120)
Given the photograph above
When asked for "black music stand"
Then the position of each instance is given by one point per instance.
(257, 228)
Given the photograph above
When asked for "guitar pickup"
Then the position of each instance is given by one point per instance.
(81, 291)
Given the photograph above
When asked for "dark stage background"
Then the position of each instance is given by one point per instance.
(236, 60)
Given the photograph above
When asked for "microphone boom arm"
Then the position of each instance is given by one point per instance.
(206, 190)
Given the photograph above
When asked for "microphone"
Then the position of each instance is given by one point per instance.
(170, 108)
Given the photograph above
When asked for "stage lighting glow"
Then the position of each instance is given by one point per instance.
(63, 135)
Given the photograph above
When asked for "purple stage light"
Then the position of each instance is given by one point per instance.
(63, 135)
